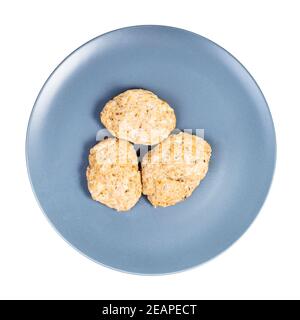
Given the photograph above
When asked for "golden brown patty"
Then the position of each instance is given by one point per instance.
(138, 116)
(113, 175)
(174, 168)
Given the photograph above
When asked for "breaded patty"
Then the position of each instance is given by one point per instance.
(174, 168)
(113, 175)
(138, 116)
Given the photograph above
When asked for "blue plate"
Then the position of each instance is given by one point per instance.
(209, 89)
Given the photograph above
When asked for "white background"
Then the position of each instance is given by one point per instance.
(37, 263)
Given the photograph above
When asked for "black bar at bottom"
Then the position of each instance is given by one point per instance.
(113, 309)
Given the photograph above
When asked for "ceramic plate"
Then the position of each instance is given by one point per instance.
(209, 89)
